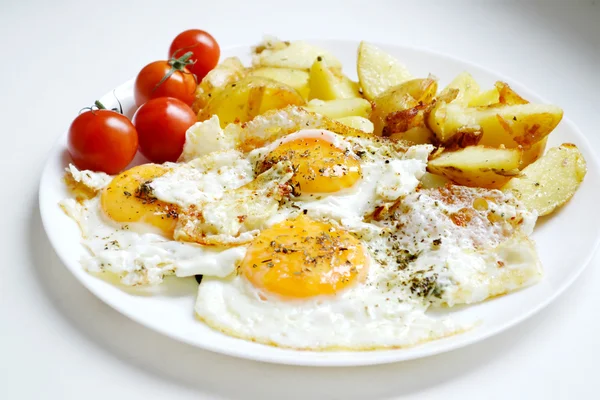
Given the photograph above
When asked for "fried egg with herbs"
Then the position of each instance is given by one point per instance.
(306, 238)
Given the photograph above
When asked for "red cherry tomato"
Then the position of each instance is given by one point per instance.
(161, 125)
(102, 140)
(165, 79)
(205, 48)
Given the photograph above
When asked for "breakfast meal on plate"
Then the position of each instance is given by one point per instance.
(321, 213)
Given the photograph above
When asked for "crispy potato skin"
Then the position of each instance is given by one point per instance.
(551, 181)
(508, 96)
(477, 166)
(501, 125)
(403, 107)
(466, 86)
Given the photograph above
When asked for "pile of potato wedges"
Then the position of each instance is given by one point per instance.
(492, 138)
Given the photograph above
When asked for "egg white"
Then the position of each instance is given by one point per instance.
(203, 179)
(389, 309)
(419, 258)
(385, 175)
(363, 317)
(138, 255)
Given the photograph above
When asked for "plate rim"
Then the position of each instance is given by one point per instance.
(329, 359)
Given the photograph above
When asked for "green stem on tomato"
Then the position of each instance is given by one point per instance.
(177, 64)
(99, 105)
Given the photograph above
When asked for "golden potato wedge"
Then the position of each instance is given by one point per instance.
(416, 135)
(270, 42)
(243, 100)
(485, 99)
(406, 120)
(551, 181)
(327, 83)
(467, 88)
(511, 126)
(533, 153)
(360, 123)
(410, 95)
(508, 96)
(465, 137)
(295, 55)
(340, 108)
(477, 166)
(296, 78)
(228, 71)
(378, 71)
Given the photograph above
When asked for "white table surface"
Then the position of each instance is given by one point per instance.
(59, 341)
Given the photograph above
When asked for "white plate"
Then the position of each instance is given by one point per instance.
(566, 242)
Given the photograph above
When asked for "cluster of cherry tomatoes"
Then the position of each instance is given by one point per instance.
(106, 140)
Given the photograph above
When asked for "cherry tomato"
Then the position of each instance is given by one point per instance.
(102, 140)
(205, 48)
(161, 125)
(166, 79)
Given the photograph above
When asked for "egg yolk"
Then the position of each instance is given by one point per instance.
(320, 167)
(302, 258)
(128, 198)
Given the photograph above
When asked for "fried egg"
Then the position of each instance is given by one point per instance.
(129, 231)
(138, 255)
(309, 284)
(344, 178)
(206, 137)
(309, 235)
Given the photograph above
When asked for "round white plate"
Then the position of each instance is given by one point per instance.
(566, 241)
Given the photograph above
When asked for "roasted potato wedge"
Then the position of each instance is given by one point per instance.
(270, 42)
(508, 96)
(411, 95)
(477, 166)
(534, 152)
(467, 88)
(296, 78)
(406, 120)
(551, 181)
(243, 100)
(360, 123)
(378, 71)
(416, 135)
(510, 126)
(485, 99)
(295, 55)
(340, 108)
(502, 93)
(327, 83)
(228, 71)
